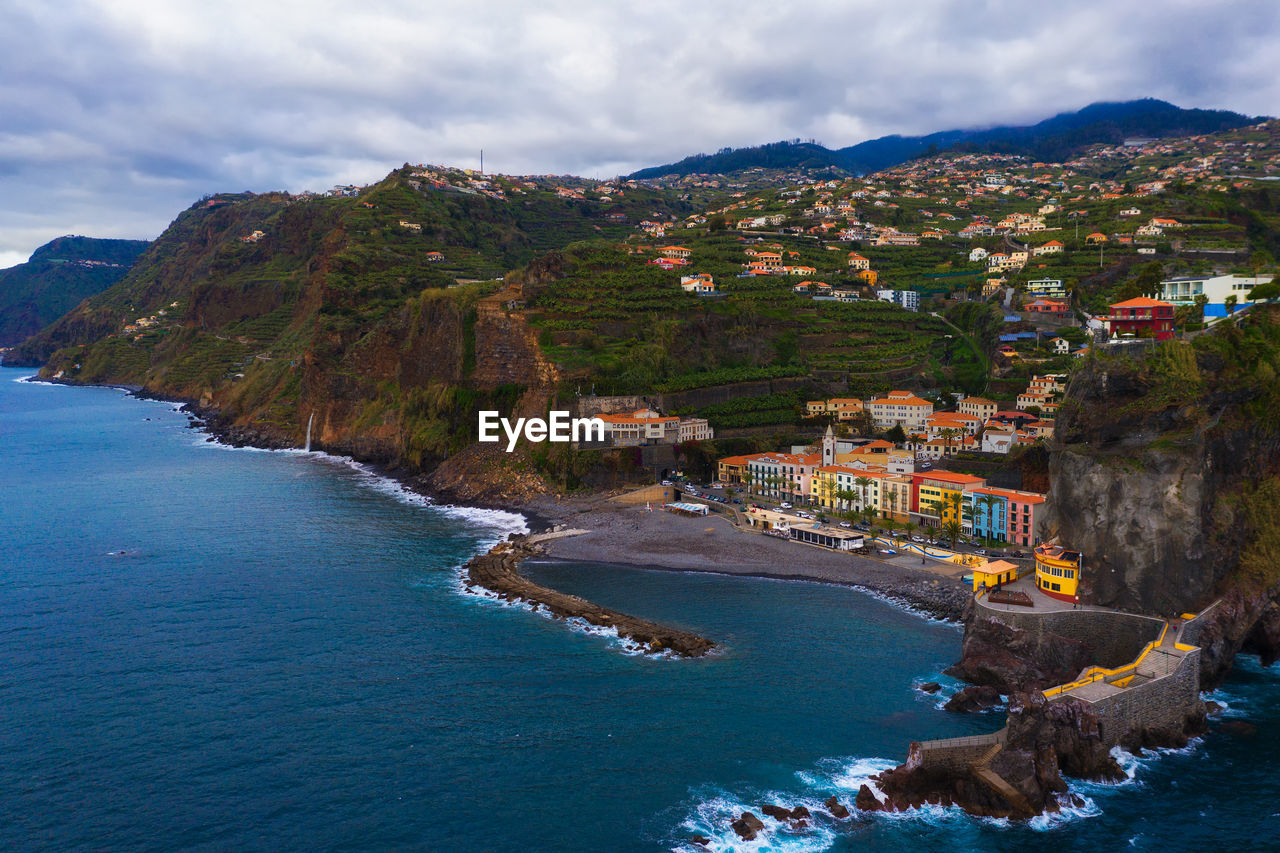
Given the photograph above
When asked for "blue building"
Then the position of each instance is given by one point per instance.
(986, 519)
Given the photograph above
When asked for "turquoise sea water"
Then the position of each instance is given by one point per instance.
(208, 649)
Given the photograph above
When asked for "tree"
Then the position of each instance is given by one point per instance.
(908, 528)
(896, 435)
(747, 478)
(988, 503)
(845, 497)
(1266, 292)
(862, 482)
(952, 531)
(1231, 304)
(1200, 301)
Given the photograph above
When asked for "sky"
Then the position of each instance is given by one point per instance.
(115, 116)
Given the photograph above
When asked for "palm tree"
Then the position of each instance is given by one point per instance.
(909, 527)
(891, 497)
(862, 482)
(845, 496)
(952, 531)
(988, 502)
(747, 478)
(891, 525)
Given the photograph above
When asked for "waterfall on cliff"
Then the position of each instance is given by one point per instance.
(309, 420)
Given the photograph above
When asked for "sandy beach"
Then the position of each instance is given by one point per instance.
(629, 535)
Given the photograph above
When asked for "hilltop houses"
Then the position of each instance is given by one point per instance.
(1142, 317)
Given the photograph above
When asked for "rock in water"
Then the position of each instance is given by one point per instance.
(837, 809)
(776, 812)
(973, 698)
(700, 840)
(866, 801)
(747, 826)
(931, 687)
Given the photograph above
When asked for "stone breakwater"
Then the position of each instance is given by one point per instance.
(499, 572)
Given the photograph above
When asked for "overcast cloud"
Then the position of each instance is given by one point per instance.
(116, 115)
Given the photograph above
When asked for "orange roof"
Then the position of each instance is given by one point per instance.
(1141, 302)
(950, 477)
(739, 460)
(632, 419)
(1024, 497)
(902, 401)
(1053, 243)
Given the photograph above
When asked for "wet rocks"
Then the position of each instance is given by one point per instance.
(700, 840)
(838, 810)
(972, 699)
(499, 571)
(866, 800)
(796, 818)
(747, 826)
(930, 687)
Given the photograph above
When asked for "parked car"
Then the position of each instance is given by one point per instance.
(919, 539)
(926, 464)
(845, 524)
(717, 485)
(785, 505)
(982, 551)
(737, 501)
(666, 482)
(800, 514)
(887, 551)
(1018, 554)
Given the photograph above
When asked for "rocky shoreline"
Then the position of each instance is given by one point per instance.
(498, 572)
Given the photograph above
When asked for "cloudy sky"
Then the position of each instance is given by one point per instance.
(115, 115)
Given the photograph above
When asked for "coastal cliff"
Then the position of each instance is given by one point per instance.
(1166, 471)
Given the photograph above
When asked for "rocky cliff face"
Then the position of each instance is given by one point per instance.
(1164, 472)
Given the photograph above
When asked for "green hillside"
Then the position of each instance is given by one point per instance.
(58, 276)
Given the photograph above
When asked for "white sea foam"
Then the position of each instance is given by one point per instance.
(712, 817)
(576, 624)
(497, 523)
(900, 603)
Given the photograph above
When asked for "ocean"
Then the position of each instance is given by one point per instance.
(212, 649)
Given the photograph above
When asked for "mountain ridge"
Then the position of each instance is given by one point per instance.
(1050, 139)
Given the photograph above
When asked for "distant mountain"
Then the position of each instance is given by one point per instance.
(1053, 139)
(59, 275)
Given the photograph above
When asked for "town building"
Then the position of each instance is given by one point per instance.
(979, 407)
(1058, 571)
(644, 426)
(900, 408)
(938, 496)
(1217, 289)
(1142, 317)
(908, 299)
(695, 429)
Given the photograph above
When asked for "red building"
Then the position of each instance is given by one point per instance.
(1146, 318)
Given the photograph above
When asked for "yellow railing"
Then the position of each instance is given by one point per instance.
(1097, 673)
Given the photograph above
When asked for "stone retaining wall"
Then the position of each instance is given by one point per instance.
(955, 754)
(1116, 638)
(1164, 703)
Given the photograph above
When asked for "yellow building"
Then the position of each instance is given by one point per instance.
(830, 481)
(1058, 572)
(990, 575)
(940, 497)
